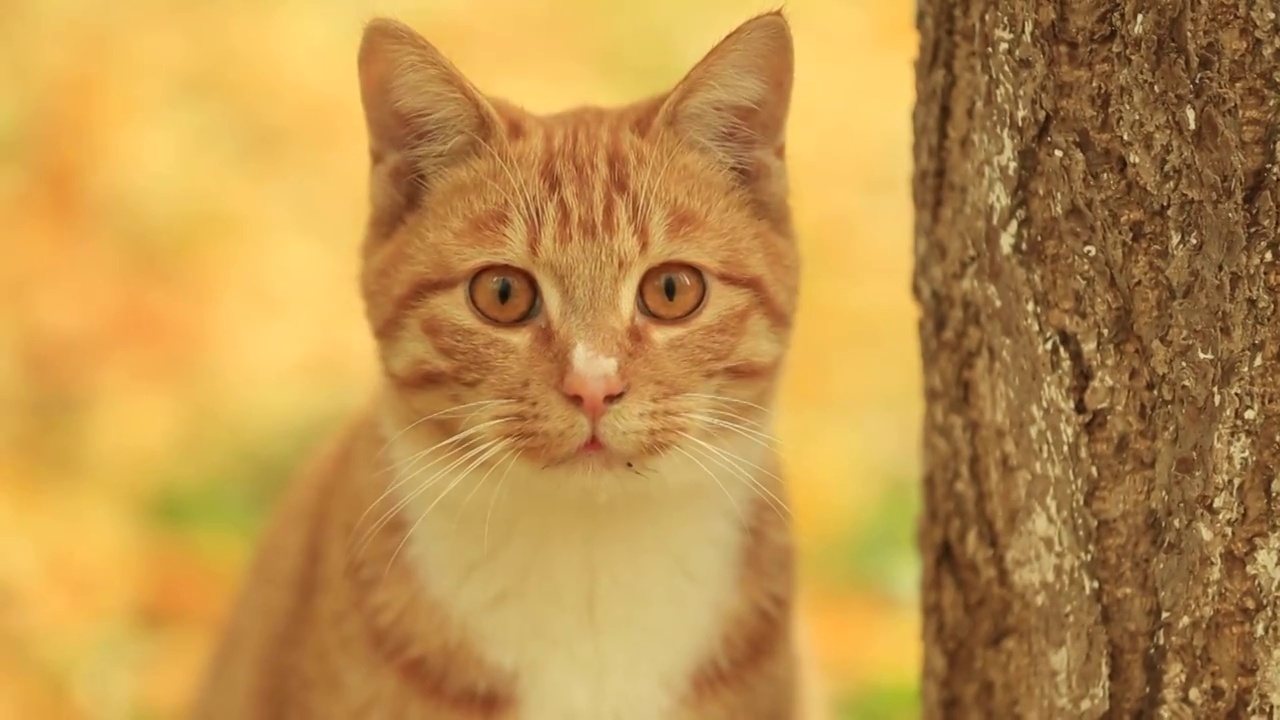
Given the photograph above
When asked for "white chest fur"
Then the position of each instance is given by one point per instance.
(601, 608)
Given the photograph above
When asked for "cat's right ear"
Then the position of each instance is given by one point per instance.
(422, 116)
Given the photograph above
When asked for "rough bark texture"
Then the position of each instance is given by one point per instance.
(1098, 201)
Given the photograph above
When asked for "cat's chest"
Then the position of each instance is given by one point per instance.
(601, 613)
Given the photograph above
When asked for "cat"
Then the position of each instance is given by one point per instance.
(563, 504)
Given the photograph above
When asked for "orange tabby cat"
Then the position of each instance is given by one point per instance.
(563, 505)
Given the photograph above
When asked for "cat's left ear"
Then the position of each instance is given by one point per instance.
(423, 117)
(734, 103)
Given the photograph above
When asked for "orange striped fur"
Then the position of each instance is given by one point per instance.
(457, 552)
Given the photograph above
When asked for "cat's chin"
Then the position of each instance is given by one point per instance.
(591, 457)
(595, 468)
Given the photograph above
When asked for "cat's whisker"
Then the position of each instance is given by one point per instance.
(762, 470)
(727, 399)
(432, 416)
(460, 443)
(734, 417)
(467, 499)
(447, 413)
(403, 502)
(712, 475)
(407, 463)
(490, 449)
(459, 439)
(731, 462)
(409, 473)
(472, 451)
(422, 487)
(494, 498)
(760, 438)
(729, 411)
(751, 483)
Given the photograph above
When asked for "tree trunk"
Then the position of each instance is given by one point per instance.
(1097, 190)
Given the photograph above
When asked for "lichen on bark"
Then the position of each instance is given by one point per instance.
(1098, 267)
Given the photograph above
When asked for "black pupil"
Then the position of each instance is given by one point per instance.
(504, 290)
(669, 287)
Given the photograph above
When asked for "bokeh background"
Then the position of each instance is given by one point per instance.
(181, 195)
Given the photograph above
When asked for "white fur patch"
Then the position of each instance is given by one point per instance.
(602, 607)
(590, 363)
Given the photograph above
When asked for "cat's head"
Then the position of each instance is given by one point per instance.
(591, 289)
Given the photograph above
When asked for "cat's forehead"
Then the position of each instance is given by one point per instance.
(592, 185)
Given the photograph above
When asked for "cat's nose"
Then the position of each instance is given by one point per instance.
(593, 392)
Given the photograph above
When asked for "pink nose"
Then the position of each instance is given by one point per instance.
(593, 393)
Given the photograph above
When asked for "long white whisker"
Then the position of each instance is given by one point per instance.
(467, 499)
(494, 499)
(410, 472)
(386, 517)
(734, 417)
(451, 439)
(432, 416)
(712, 475)
(763, 439)
(730, 463)
(725, 398)
(490, 450)
(737, 457)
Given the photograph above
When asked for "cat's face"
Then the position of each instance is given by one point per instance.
(588, 290)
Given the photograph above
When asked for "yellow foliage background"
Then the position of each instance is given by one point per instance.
(181, 194)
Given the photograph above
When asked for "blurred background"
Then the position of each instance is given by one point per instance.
(181, 196)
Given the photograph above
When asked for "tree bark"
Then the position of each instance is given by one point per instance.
(1097, 187)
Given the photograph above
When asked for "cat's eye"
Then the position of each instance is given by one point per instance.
(504, 295)
(672, 292)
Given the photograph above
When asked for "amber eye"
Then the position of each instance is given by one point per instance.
(672, 292)
(504, 295)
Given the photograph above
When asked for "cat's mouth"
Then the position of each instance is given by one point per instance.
(596, 454)
(593, 453)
